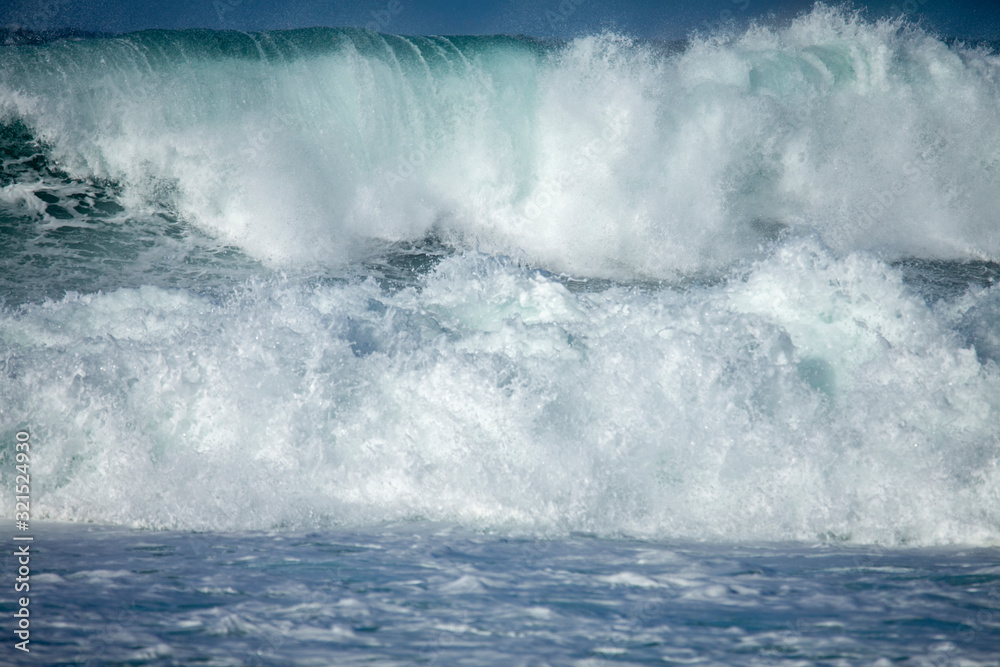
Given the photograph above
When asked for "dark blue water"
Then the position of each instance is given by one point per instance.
(425, 594)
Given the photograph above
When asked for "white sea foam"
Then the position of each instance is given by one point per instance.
(784, 382)
(603, 157)
(784, 405)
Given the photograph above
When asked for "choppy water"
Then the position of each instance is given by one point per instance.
(424, 594)
(742, 289)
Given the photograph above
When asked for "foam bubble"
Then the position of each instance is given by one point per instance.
(780, 405)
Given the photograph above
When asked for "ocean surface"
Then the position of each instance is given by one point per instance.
(342, 348)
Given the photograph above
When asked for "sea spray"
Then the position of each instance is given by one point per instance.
(739, 290)
(303, 147)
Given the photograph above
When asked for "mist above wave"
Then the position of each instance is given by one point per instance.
(602, 156)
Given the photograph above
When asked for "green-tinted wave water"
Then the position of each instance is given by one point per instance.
(743, 289)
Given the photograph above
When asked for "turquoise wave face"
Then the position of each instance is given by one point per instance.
(603, 156)
(741, 288)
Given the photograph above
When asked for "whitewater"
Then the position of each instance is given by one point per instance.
(645, 326)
